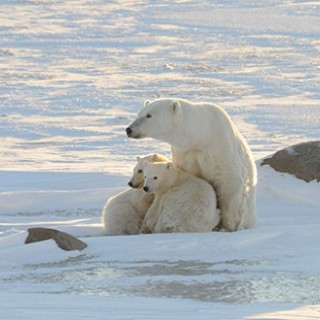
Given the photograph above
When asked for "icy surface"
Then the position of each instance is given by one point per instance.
(73, 75)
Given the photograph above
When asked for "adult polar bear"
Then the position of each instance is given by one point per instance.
(206, 143)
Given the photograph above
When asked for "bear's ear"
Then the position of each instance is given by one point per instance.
(176, 106)
(147, 102)
(155, 157)
(169, 165)
(145, 163)
(138, 158)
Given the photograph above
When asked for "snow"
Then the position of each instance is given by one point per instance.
(73, 76)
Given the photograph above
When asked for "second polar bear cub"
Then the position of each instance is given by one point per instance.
(124, 212)
(182, 203)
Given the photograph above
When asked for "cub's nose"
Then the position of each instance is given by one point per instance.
(129, 131)
(146, 189)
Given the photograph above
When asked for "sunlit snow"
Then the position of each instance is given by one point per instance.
(73, 75)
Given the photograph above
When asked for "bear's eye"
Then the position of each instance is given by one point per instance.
(139, 171)
(149, 115)
(155, 178)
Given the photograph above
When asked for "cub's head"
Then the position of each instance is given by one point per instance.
(157, 176)
(156, 120)
(137, 179)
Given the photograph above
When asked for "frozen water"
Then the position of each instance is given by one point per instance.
(76, 72)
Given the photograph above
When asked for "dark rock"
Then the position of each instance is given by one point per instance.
(64, 240)
(301, 160)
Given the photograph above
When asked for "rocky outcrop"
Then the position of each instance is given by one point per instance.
(301, 160)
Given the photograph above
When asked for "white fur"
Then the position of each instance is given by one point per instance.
(182, 203)
(124, 212)
(205, 142)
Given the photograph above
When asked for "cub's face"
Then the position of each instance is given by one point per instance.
(137, 178)
(156, 120)
(157, 176)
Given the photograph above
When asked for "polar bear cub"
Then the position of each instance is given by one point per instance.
(182, 203)
(124, 212)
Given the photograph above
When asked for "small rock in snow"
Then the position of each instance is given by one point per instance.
(64, 240)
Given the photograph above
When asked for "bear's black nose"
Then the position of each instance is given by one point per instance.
(146, 189)
(129, 131)
(130, 184)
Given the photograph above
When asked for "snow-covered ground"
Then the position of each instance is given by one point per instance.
(73, 75)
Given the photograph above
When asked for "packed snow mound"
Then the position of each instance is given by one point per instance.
(301, 160)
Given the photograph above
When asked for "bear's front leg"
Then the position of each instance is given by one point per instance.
(151, 218)
(232, 212)
(148, 223)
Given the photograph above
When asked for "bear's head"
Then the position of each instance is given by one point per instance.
(158, 176)
(137, 179)
(156, 120)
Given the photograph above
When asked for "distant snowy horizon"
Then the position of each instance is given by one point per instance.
(75, 74)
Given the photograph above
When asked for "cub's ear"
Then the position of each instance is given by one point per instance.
(176, 106)
(145, 163)
(147, 102)
(169, 165)
(155, 157)
(138, 158)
